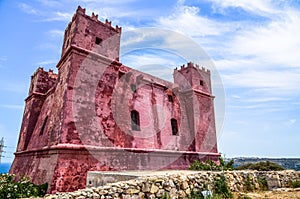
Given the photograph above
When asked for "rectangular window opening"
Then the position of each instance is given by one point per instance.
(121, 74)
(135, 120)
(201, 83)
(170, 98)
(98, 41)
(174, 126)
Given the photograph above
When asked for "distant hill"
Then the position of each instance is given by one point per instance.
(4, 167)
(287, 163)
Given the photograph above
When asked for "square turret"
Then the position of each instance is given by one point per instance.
(88, 33)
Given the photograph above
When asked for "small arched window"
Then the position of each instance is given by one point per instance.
(174, 126)
(135, 120)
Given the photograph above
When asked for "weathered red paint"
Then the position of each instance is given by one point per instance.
(73, 124)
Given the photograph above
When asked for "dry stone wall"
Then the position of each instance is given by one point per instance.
(181, 185)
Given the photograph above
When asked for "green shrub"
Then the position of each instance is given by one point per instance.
(261, 166)
(196, 195)
(263, 184)
(165, 196)
(295, 184)
(249, 186)
(9, 188)
(210, 165)
(221, 189)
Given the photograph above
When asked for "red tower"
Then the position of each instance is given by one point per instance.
(97, 114)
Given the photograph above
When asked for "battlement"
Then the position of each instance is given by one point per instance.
(50, 73)
(94, 17)
(193, 65)
(42, 81)
(91, 34)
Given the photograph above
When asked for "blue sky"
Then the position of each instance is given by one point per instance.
(255, 46)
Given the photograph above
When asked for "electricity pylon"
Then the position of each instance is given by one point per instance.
(1, 148)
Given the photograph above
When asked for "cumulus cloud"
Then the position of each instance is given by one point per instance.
(59, 16)
(28, 9)
(276, 43)
(188, 20)
(257, 7)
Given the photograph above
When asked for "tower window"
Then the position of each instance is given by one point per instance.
(135, 120)
(174, 126)
(201, 83)
(98, 41)
(170, 98)
(121, 74)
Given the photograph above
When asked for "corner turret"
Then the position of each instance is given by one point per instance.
(88, 33)
(193, 77)
(42, 81)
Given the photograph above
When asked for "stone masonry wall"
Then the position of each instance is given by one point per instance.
(180, 185)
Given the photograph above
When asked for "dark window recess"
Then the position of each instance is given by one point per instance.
(133, 87)
(170, 98)
(121, 74)
(135, 120)
(174, 126)
(44, 125)
(98, 41)
(201, 83)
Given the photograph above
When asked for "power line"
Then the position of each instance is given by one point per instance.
(1, 148)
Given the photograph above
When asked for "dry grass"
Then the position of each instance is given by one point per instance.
(277, 194)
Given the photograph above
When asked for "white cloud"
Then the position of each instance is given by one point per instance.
(59, 16)
(276, 43)
(290, 122)
(28, 9)
(159, 64)
(49, 3)
(187, 20)
(266, 99)
(45, 14)
(114, 2)
(2, 60)
(279, 82)
(56, 33)
(47, 62)
(258, 7)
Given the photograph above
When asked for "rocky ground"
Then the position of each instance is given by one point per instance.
(275, 194)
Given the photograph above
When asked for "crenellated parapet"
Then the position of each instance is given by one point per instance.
(90, 34)
(193, 65)
(192, 76)
(94, 17)
(42, 81)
